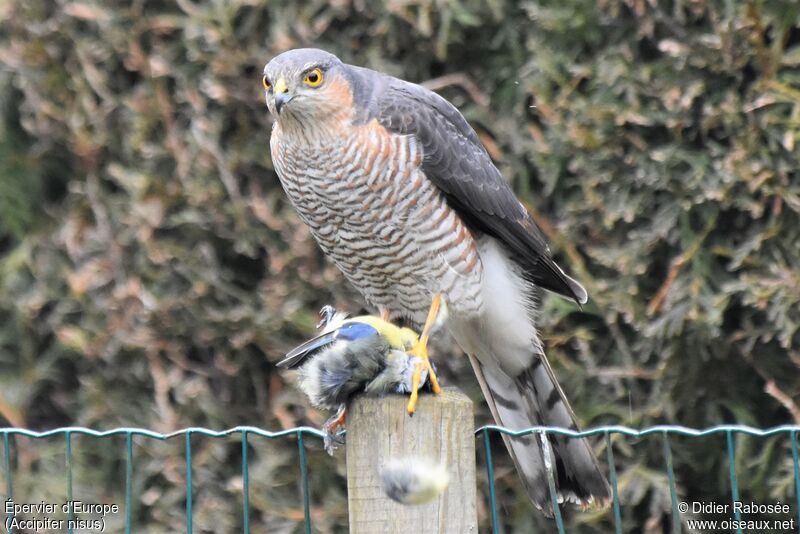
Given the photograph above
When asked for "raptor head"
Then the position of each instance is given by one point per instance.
(306, 85)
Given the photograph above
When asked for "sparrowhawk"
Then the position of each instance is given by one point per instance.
(400, 193)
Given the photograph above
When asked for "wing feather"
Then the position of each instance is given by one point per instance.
(298, 355)
(349, 331)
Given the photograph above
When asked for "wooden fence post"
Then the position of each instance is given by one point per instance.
(442, 430)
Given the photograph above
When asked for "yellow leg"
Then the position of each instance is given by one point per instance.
(421, 351)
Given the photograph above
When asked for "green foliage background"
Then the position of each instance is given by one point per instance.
(151, 271)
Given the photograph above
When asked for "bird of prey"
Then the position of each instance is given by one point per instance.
(400, 193)
(362, 354)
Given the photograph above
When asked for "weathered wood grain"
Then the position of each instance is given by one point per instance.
(442, 430)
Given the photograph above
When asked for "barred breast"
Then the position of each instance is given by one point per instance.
(377, 216)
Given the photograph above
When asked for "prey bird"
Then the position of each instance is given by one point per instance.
(402, 196)
(358, 355)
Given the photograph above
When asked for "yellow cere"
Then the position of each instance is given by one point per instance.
(313, 78)
(400, 338)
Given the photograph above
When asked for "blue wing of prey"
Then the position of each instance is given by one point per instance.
(350, 331)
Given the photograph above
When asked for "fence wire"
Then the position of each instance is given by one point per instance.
(665, 431)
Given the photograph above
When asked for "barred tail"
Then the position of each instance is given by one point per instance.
(534, 398)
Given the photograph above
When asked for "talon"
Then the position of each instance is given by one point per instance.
(326, 315)
(420, 350)
(333, 424)
(333, 429)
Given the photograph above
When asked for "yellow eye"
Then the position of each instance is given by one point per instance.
(313, 78)
(265, 83)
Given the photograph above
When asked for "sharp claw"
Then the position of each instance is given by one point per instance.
(334, 431)
(325, 315)
(421, 352)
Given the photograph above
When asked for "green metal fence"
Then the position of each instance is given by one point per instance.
(300, 433)
(664, 431)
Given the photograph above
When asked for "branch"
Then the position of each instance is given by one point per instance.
(772, 389)
(778, 394)
(676, 265)
(461, 80)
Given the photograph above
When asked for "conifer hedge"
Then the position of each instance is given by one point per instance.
(151, 270)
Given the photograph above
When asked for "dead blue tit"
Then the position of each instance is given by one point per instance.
(414, 480)
(363, 354)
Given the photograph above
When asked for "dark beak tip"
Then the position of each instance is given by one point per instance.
(280, 101)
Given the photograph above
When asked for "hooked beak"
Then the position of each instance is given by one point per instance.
(282, 95)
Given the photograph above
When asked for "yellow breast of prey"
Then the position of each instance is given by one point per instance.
(400, 338)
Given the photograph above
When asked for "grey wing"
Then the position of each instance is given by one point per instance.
(299, 354)
(456, 161)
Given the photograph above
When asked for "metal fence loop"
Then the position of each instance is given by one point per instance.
(542, 433)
